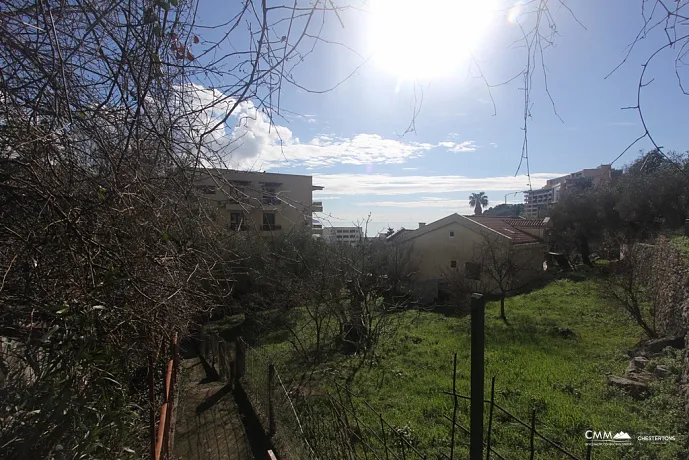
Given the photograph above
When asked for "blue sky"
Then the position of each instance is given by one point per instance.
(352, 139)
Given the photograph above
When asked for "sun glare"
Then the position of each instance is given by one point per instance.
(426, 38)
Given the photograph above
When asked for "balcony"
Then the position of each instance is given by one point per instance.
(317, 206)
(270, 200)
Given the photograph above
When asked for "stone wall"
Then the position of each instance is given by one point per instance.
(666, 275)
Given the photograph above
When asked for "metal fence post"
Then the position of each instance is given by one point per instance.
(588, 450)
(271, 403)
(478, 306)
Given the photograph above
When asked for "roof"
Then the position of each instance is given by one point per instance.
(508, 227)
(521, 222)
(396, 234)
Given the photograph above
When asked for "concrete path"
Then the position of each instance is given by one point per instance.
(208, 424)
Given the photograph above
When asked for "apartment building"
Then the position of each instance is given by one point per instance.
(537, 202)
(349, 235)
(265, 202)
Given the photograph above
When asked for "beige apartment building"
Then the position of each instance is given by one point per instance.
(264, 202)
(537, 202)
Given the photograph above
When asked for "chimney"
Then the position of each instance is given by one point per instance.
(423, 224)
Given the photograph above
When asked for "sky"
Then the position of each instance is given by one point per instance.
(354, 140)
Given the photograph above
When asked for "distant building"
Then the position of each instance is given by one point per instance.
(349, 235)
(265, 202)
(537, 202)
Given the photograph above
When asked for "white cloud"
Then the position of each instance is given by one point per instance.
(385, 184)
(466, 146)
(254, 142)
(425, 202)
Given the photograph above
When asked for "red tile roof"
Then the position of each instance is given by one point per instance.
(504, 227)
(520, 222)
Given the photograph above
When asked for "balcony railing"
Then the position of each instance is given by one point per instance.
(317, 206)
(270, 200)
(268, 228)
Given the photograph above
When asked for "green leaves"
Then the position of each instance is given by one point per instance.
(149, 15)
(163, 4)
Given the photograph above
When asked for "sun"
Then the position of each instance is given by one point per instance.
(426, 38)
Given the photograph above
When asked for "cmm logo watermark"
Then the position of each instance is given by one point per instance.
(599, 438)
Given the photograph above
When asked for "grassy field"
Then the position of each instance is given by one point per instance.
(564, 379)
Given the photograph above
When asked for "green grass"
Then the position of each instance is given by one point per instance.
(563, 379)
(681, 243)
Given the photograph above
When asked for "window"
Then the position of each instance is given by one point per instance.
(473, 270)
(452, 234)
(207, 189)
(453, 264)
(237, 191)
(269, 195)
(236, 220)
(269, 221)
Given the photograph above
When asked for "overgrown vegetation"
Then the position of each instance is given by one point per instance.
(536, 367)
(106, 247)
(651, 196)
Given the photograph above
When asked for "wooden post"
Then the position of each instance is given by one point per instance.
(533, 434)
(490, 416)
(271, 403)
(240, 359)
(152, 401)
(478, 306)
(454, 409)
(221, 360)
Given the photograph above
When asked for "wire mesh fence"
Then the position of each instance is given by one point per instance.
(309, 420)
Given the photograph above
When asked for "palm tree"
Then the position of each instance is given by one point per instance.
(478, 201)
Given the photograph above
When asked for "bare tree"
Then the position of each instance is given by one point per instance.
(106, 248)
(625, 286)
(498, 268)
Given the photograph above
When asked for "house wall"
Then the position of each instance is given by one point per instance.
(529, 258)
(434, 250)
(244, 192)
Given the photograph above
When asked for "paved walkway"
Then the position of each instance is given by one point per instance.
(209, 425)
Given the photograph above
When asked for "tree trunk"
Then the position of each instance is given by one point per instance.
(583, 244)
(502, 309)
